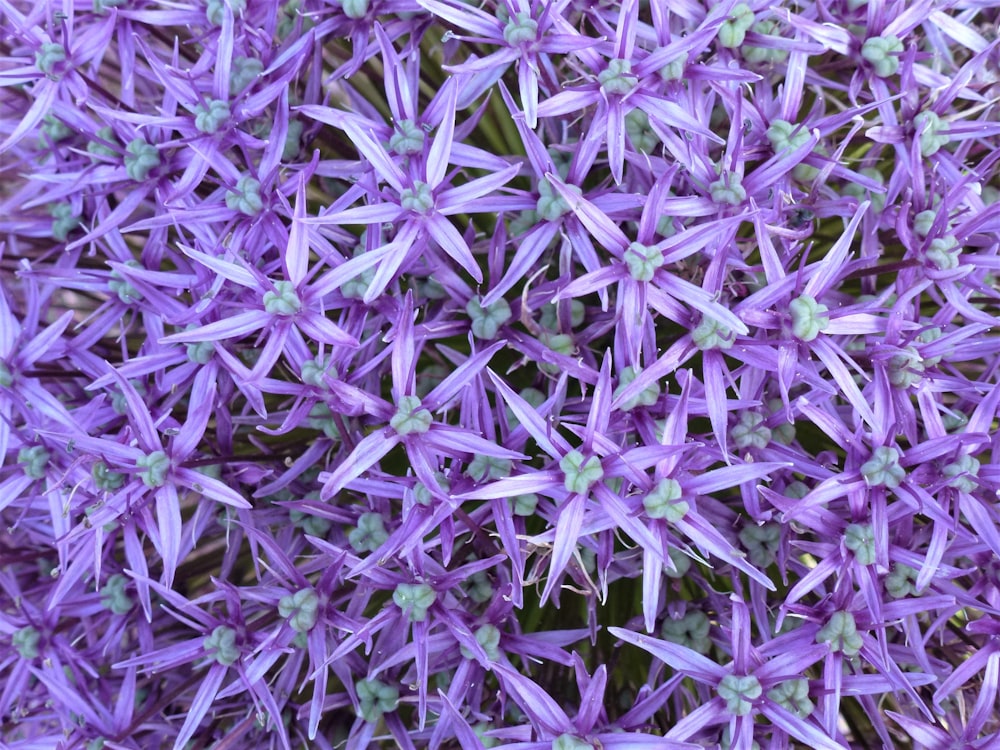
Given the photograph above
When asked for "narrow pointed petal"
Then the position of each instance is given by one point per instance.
(365, 455)
(439, 154)
(678, 657)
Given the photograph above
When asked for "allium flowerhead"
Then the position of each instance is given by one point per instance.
(434, 373)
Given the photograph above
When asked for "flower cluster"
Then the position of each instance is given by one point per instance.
(561, 374)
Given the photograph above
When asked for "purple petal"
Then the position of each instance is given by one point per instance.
(365, 455)
(213, 489)
(798, 728)
(200, 705)
(439, 154)
(235, 327)
(677, 657)
(568, 526)
(454, 245)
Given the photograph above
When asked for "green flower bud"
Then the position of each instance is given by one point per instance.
(411, 417)
(483, 467)
(487, 636)
(905, 368)
(118, 402)
(665, 226)
(569, 742)
(643, 138)
(293, 140)
(533, 397)
(933, 132)
(284, 300)
(560, 343)
(357, 287)
(200, 352)
(97, 148)
(923, 222)
(314, 371)
(423, 495)
(522, 223)
(690, 631)
(643, 260)
(926, 337)
(674, 70)
(793, 696)
(418, 199)
(757, 55)
(681, 562)
(808, 317)
(54, 129)
(860, 539)
(525, 505)
(211, 116)
(370, 533)
(105, 479)
(520, 30)
(859, 192)
(726, 740)
(783, 432)
(25, 642)
(551, 206)
(664, 501)
(246, 197)
(375, 698)
(617, 78)
(550, 315)
(479, 588)
(734, 29)
(739, 692)
(883, 470)
(580, 473)
(750, 431)
(312, 525)
(289, 14)
(140, 159)
(33, 461)
(728, 189)
(486, 321)
(431, 288)
(414, 598)
(761, 543)
(154, 468)
(841, 632)
(480, 731)
(243, 72)
(301, 610)
(408, 138)
(882, 52)
(963, 473)
(321, 418)
(221, 646)
(113, 596)
(784, 136)
(48, 56)
(123, 288)
(64, 220)
(215, 11)
(899, 582)
(355, 9)
(944, 252)
(646, 397)
(709, 334)
(100, 6)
